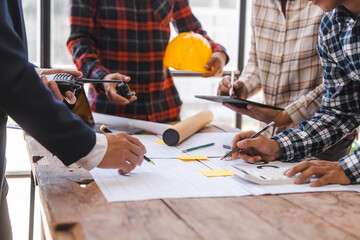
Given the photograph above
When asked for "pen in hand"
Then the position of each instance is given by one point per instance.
(232, 83)
(106, 130)
(253, 136)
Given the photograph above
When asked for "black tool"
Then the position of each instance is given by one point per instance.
(123, 90)
(67, 82)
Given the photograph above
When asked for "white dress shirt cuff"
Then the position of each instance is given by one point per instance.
(95, 156)
(40, 71)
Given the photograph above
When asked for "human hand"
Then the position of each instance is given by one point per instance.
(69, 96)
(266, 115)
(215, 64)
(327, 172)
(110, 89)
(124, 152)
(239, 89)
(256, 149)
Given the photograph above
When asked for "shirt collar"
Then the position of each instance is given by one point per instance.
(342, 15)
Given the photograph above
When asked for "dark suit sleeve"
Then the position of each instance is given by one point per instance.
(24, 97)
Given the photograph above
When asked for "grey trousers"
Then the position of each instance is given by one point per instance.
(5, 224)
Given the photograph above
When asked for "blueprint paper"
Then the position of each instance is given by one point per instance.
(169, 178)
(173, 178)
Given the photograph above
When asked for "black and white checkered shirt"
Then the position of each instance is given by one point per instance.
(339, 49)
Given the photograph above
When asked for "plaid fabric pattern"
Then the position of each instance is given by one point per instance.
(130, 37)
(339, 115)
(283, 61)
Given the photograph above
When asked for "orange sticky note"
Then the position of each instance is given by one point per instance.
(217, 173)
(192, 158)
(161, 142)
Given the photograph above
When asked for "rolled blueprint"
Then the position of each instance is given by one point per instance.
(184, 129)
(152, 127)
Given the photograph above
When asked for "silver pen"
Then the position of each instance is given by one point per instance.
(232, 83)
(253, 136)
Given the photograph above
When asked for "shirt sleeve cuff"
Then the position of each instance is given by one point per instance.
(98, 73)
(285, 146)
(40, 71)
(351, 166)
(95, 156)
(248, 85)
(294, 112)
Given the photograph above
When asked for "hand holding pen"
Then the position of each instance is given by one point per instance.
(253, 136)
(107, 130)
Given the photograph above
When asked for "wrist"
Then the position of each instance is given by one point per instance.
(277, 149)
(283, 119)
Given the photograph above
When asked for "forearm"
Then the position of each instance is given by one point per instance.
(49, 121)
(325, 129)
(81, 43)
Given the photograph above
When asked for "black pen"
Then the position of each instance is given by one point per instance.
(106, 130)
(253, 136)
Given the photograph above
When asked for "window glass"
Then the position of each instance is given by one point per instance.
(220, 19)
(215, 17)
(190, 86)
(227, 4)
(60, 31)
(201, 3)
(31, 10)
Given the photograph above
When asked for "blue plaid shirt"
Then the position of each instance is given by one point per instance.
(339, 49)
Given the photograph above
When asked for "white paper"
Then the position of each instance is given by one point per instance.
(169, 178)
(217, 150)
(155, 150)
(152, 127)
(257, 189)
(173, 178)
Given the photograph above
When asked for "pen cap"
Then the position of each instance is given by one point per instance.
(184, 129)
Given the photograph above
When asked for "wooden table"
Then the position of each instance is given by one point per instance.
(73, 207)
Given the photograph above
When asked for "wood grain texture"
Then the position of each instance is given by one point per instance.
(291, 218)
(75, 208)
(340, 209)
(224, 218)
(84, 213)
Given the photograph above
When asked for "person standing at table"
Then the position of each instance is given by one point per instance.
(285, 65)
(339, 115)
(126, 40)
(25, 98)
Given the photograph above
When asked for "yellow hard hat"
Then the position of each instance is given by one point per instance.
(188, 51)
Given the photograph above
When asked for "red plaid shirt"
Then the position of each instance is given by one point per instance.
(130, 37)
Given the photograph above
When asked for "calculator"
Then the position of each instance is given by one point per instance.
(264, 175)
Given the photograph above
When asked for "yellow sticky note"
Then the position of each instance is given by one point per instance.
(161, 142)
(192, 158)
(217, 173)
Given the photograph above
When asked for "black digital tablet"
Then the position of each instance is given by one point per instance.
(238, 102)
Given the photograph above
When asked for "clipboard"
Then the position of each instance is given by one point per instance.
(238, 102)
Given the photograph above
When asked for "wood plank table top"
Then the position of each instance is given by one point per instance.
(74, 208)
